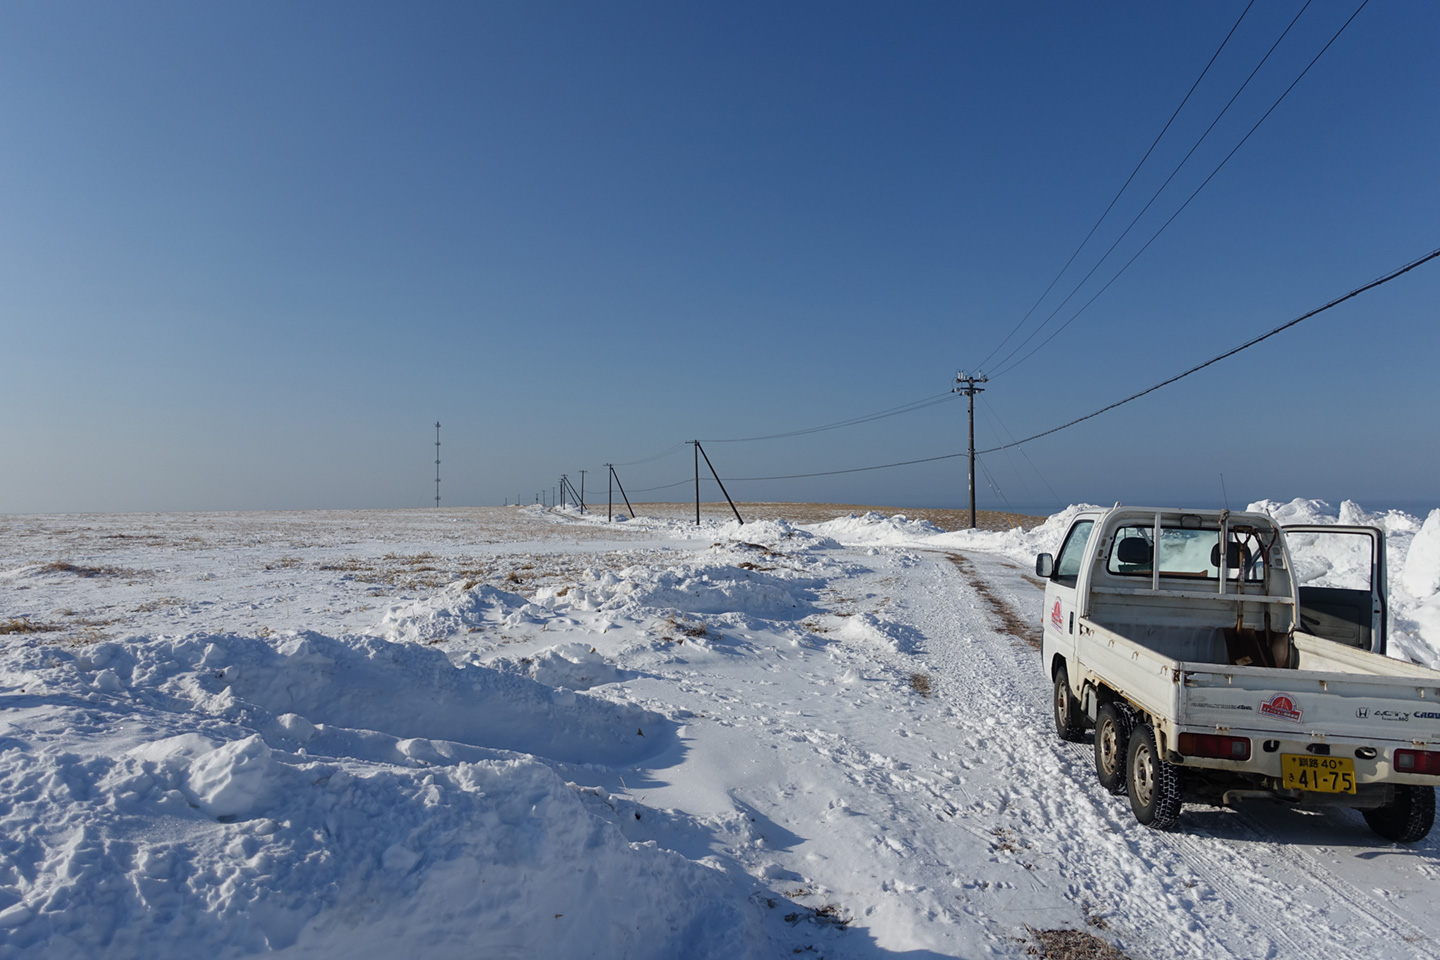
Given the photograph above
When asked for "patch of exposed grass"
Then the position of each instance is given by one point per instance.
(1070, 945)
(150, 606)
(25, 625)
(80, 570)
(689, 629)
(828, 915)
(1012, 622)
(920, 683)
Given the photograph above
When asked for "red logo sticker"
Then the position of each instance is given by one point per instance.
(1282, 708)
(1056, 618)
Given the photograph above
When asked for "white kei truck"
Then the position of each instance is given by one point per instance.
(1210, 674)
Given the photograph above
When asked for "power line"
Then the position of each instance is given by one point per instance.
(1115, 199)
(990, 411)
(666, 486)
(1192, 196)
(1164, 383)
(864, 418)
(881, 466)
(1156, 195)
(663, 453)
(1230, 353)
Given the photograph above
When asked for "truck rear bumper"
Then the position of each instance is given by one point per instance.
(1366, 797)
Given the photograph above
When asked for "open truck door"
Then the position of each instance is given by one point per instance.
(1341, 576)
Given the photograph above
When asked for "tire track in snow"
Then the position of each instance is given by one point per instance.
(1381, 914)
(1265, 905)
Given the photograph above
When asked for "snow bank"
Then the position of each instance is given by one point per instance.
(1412, 557)
(323, 796)
(453, 611)
(575, 666)
(875, 527)
(880, 631)
(1421, 573)
(899, 531)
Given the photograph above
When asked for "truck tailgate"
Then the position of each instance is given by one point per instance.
(1308, 703)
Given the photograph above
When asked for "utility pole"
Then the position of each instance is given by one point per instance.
(965, 383)
(437, 464)
(615, 479)
(582, 491)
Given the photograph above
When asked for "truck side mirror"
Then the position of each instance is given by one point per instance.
(1044, 565)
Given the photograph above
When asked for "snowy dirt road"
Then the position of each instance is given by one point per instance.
(426, 734)
(1258, 882)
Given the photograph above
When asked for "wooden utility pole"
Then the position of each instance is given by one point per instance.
(965, 383)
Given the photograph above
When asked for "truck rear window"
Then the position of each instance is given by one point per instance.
(1186, 553)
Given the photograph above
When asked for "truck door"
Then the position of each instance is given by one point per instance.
(1341, 575)
(1060, 591)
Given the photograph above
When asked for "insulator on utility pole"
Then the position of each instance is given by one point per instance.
(965, 383)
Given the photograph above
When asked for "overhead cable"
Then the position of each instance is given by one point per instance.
(1173, 173)
(834, 473)
(990, 411)
(853, 421)
(1115, 199)
(1228, 353)
(1192, 196)
(663, 453)
(667, 486)
(1120, 403)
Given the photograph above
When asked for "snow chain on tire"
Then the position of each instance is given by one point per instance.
(1153, 784)
(1407, 818)
(1069, 724)
(1113, 723)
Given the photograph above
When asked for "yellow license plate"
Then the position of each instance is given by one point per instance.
(1320, 774)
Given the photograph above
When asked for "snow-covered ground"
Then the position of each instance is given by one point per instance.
(512, 733)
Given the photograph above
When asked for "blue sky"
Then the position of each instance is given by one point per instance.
(250, 253)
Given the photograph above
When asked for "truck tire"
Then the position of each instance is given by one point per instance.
(1407, 818)
(1153, 784)
(1069, 723)
(1113, 722)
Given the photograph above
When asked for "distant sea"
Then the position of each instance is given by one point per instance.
(1417, 508)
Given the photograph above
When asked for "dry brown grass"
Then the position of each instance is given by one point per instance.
(920, 683)
(25, 625)
(1070, 945)
(1013, 623)
(689, 629)
(150, 606)
(80, 570)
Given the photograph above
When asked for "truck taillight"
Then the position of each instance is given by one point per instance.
(1417, 761)
(1214, 745)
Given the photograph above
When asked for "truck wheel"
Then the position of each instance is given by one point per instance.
(1113, 722)
(1153, 784)
(1069, 724)
(1407, 818)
